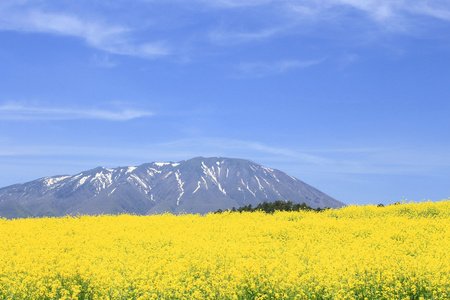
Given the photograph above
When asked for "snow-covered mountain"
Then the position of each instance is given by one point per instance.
(198, 185)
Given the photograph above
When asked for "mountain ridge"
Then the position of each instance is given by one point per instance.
(197, 185)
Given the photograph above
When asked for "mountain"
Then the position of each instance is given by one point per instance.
(198, 185)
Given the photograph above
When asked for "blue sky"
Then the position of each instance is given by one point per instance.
(349, 96)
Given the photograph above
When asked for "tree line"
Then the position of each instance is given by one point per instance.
(271, 207)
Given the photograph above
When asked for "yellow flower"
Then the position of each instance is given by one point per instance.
(354, 252)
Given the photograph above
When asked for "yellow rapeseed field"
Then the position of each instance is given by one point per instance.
(394, 252)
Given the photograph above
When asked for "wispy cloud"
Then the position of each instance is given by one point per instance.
(350, 161)
(18, 112)
(103, 61)
(111, 38)
(435, 9)
(211, 24)
(175, 151)
(262, 69)
(391, 15)
(297, 17)
(225, 36)
(386, 9)
(236, 3)
(377, 9)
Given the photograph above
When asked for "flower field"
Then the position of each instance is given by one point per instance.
(394, 252)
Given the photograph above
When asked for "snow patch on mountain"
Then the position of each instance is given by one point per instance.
(267, 169)
(204, 181)
(198, 186)
(82, 181)
(248, 188)
(135, 178)
(274, 176)
(161, 164)
(130, 169)
(110, 193)
(259, 183)
(209, 172)
(49, 181)
(222, 189)
(152, 171)
(101, 181)
(295, 179)
(180, 186)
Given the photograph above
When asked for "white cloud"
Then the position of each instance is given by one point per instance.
(174, 150)
(276, 19)
(435, 9)
(124, 30)
(236, 3)
(262, 69)
(311, 162)
(17, 112)
(102, 61)
(115, 39)
(352, 161)
(384, 12)
(208, 146)
(229, 37)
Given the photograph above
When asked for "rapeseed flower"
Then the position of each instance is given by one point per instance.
(369, 252)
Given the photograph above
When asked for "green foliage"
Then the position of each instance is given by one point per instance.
(271, 207)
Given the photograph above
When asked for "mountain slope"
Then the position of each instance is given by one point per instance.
(198, 185)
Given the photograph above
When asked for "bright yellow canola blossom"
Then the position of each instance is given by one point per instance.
(394, 252)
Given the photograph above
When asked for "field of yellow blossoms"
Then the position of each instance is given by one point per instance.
(368, 252)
